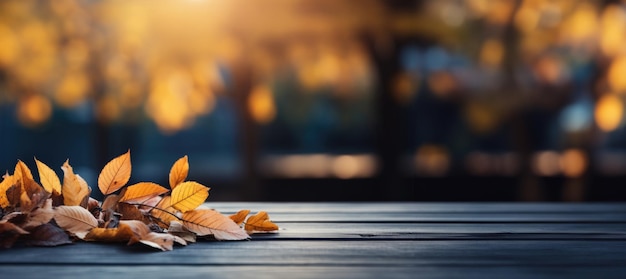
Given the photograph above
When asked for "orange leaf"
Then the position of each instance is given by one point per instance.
(164, 212)
(75, 219)
(75, 189)
(240, 216)
(22, 170)
(179, 171)
(122, 233)
(207, 221)
(142, 191)
(115, 174)
(189, 195)
(7, 182)
(48, 178)
(260, 222)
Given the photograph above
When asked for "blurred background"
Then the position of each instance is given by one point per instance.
(323, 100)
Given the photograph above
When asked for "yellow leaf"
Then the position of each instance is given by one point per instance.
(22, 170)
(142, 191)
(75, 219)
(207, 221)
(164, 212)
(189, 195)
(115, 174)
(48, 178)
(75, 189)
(179, 172)
(7, 182)
(240, 216)
(260, 222)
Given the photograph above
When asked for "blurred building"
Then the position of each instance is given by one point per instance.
(324, 100)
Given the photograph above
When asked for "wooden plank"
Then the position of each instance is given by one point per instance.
(312, 272)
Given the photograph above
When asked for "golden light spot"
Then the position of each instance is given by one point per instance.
(261, 104)
(432, 160)
(609, 112)
(549, 69)
(527, 19)
(573, 162)
(9, 46)
(582, 24)
(546, 163)
(72, 90)
(34, 110)
(612, 33)
(491, 53)
(617, 73)
(404, 87)
(345, 166)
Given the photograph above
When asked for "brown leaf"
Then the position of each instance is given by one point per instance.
(48, 178)
(142, 191)
(164, 212)
(260, 222)
(40, 216)
(176, 228)
(240, 216)
(33, 196)
(47, 235)
(129, 212)
(120, 234)
(206, 221)
(75, 189)
(189, 195)
(115, 174)
(14, 194)
(162, 241)
(75, 219)
(22, 170)
(179, 171)
(9, 233)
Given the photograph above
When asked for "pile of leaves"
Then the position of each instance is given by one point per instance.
(51, 213)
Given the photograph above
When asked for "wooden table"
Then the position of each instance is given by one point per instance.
(369, 240)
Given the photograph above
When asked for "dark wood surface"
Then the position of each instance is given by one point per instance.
(368, 240)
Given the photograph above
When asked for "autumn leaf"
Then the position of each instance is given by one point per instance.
(176, 228)
(179, 171)
(22, 170)
(7, 182)
(164, 212)
(142, 191)
(75, 189)
(33, 195)
(129, 212)
(9, 233)
(206, 222)
(48, 178)
(260, 222)
(162, 241)
(47, 235)
(240, 216)
(115, 174)
(189, 195)
(40, 216)
(120, 234)
(75, 219)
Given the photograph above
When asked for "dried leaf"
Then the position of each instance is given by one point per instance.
(142, 191)
(122, 233)
(9, 233)
(260, 222)
(189, 195)
(75, 219)
(179, 171)
(75, 189)
(164, 212)
(47, 235)
(129, 212)
(115, 174)
(205, 222)
(240, 216)
(22, 170)
(162, 241)
(48, 178)
(33, 196)
(13, 194)
(176, 228)
(7, 182)
(40, 216)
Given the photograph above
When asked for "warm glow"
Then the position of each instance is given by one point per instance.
(261, 104)
(573, 162)
(320, 166)
(345, 166)
(492, 53)
(546, 163)
(432, 160)
(34, 110)
(9, 46)
(582, 24)
(72, 90)
(609, 112)
(617, 74)
(404, 87)
(613, 31)
(108, 109)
